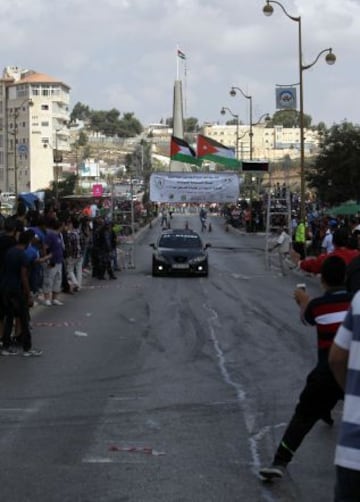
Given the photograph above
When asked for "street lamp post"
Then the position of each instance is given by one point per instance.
(56, 162)
(330, 59)
(16, 116)
(233, 93)
(223, 111)
(57, 159)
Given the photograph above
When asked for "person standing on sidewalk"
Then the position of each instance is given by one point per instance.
(7, 241)
(53, 268)
(321, 391)
(73, 255)
(299, 244)
(283, 244)
(104, 245)
(17, 296)
(344, 361)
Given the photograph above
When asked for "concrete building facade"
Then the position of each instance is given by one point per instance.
(34, 113)
(270, 143)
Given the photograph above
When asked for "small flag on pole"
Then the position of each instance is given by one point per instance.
(181, 54)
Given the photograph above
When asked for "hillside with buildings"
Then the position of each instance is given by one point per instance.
(38, 146)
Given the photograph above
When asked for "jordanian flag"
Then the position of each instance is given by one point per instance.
(210, 149)
(181, 54)
(180, 150)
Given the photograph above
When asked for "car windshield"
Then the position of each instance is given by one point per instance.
(180, 241)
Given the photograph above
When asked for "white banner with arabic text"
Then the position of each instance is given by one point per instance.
(194, 187)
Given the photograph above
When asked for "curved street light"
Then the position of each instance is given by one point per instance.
(223, 111)
(264, 116)
(233, 94)
(330, 59)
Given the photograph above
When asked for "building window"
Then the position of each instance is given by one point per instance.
(21, 91)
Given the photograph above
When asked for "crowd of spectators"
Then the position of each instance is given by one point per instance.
(46, 253)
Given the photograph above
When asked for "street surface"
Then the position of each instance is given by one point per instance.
(165, 389)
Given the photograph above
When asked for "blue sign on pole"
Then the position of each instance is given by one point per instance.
(22, 148)
(286, 98)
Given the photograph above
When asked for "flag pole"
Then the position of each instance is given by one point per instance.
(177, 63)
(185, 88)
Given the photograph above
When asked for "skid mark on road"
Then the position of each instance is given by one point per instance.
(53, 324)
(248, 413)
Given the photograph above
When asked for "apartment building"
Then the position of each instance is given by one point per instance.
(271, 143)
(34, 113)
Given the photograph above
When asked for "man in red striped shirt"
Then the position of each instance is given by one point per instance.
(321, 391)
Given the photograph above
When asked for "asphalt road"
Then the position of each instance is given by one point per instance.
(165, 389)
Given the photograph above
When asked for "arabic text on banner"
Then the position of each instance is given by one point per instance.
(194, 187)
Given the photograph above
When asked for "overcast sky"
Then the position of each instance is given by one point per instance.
(122, 53)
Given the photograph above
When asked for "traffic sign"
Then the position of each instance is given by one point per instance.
(22, 148)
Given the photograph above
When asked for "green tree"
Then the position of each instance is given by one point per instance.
(98, 121)
(321, 127)
(169, 122)
(109, 123)
(335, 174)
(139, 161)
(191, 124)
(65, 186)
(82, 139)
(289, 118)
(129, 126)
(232, 122)
(80, 112)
